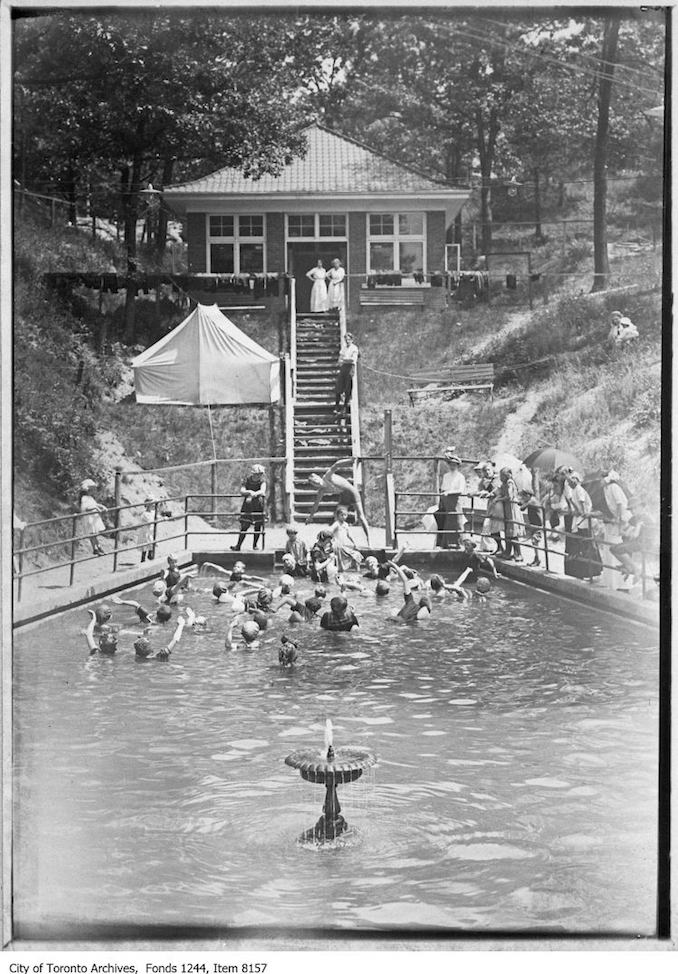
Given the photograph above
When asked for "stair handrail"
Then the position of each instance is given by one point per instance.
(355, 413)
(289, 437)
(293, 335)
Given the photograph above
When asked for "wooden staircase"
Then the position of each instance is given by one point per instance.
(320, 438)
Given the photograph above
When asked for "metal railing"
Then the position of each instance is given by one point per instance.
(533, 537)
(289, 436)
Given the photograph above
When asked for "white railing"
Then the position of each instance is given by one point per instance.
(293, 335)
(289, 437)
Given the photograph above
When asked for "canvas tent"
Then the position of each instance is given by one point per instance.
(207, 360)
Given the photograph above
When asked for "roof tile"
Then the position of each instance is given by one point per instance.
(332, 164)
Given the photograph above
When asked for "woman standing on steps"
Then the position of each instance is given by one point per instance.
(253, 491)
(348, 356)
(335, 289)
(318, 274)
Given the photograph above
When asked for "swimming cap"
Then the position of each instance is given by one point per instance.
(260, 618)
(238, 605)
(200, 622)
(320, 591)
(371, 562)
(286, 580)
(250, 630)
(383, 588)
(239, 566)
(312, 605)
(102, 614)
(264, 596)
(163, 613)
(142, 646)
(289, 559)
(483, 585)
(219, 589)
(159, 587)
(338, 604)
(108, 643)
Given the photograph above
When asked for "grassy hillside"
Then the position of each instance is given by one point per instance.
(558, 383)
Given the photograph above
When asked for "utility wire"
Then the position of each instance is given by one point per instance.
(594, 58)
(584, 72)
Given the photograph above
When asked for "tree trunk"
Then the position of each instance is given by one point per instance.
(161, 238)
(601, 265)
(131, 214)
(486, 153)
(538, 235)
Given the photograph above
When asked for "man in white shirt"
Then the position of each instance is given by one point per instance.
(449, 516)
(348, 356)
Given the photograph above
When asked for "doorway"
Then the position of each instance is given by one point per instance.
(302, 256)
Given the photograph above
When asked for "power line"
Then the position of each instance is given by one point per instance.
(597, 60)
(507, 45)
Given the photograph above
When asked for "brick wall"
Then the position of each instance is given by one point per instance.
(357, 258)
(275, 243)
(197, 247)
(435, 240)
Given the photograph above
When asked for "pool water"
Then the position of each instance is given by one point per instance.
(515, 789)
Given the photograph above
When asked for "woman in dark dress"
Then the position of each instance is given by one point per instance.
(253, 491)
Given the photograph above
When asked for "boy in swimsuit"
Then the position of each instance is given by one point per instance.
(412, 610)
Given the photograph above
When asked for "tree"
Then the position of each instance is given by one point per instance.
(601, 266)
(135, 94)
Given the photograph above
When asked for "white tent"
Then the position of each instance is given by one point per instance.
(207, 360)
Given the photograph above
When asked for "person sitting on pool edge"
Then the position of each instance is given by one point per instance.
(412, 609)
(340, 618)
(295, 558)
(322, 557)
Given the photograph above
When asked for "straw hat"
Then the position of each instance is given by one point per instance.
(87, 484)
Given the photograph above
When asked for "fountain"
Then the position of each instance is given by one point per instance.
(330, 767)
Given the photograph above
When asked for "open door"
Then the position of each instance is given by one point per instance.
(301, 257)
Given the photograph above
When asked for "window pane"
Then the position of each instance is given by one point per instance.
(411, 257)
(251, 226)
(381, 257)
(411, 223)
(332, 225)
(301, 225)
(221, 258)
(251, 258)
(221, 226)
(381, 224)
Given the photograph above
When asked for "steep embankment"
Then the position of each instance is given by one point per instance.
(559, 383)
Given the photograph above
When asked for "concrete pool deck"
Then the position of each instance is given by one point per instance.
(49, 592)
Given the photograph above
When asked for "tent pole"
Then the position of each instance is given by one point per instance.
(214, 462)
(272, 447)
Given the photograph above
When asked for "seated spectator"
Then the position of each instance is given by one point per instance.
(296, 553)
(622, 330)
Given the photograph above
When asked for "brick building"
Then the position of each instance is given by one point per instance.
(387, 223)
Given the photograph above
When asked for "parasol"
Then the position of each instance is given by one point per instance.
(549, 459)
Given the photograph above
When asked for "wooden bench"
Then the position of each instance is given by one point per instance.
(446, 383)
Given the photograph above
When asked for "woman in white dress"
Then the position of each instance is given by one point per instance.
(318, 274)
(335, 289)
(91, 522)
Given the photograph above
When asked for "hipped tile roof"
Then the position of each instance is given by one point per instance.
(332, 164)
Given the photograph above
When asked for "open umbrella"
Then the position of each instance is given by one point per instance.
(521, 474)
(549, 459)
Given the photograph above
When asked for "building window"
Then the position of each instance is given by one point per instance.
(301, 225)
(228, 251)
(396, 243)
(316, 225)
(331, 225)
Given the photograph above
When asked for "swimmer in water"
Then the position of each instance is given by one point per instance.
(235, 574)
(412, 610)
(284, 587)
(108, 641)
(287, 654)
(249, 632)
(143, 615)
(340, 618)
(102, 615)
(440, 588)
(197, 623)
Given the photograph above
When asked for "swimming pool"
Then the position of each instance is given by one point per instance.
(515, 789)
